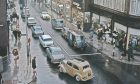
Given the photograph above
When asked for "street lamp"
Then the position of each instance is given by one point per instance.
(27, 46)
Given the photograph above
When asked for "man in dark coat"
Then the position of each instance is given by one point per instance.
(130, 53)
(34, 64)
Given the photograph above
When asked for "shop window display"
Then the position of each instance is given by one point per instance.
(135, 42)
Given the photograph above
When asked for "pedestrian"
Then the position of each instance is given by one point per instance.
(130, 52)
(121, 44)
(16, 55)
(34, 65)
(1, 80)
(78, 25)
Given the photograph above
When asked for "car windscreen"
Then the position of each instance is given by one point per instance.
(79, 38)
(38, 29)
(85, 67)
(57, 52)
(31, 20)
(47, 39)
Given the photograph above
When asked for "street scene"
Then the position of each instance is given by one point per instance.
(59, 42)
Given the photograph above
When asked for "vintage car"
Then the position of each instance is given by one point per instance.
(76, 39)
(57, 24)
(31, 21)
(45, 16)
(37, 31)
(78, 68)
(55, 54)
(46, 41)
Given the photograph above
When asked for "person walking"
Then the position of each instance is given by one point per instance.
(130, 52)
(34, 65)
(16, 55)
(79, 25)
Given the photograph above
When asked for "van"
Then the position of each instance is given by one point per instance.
(57, 23)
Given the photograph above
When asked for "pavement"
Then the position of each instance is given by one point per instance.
(20, 72)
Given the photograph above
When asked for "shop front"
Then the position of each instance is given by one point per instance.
(134, 39)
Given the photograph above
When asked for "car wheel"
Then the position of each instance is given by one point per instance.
(77, 78)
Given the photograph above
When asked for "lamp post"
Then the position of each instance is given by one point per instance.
(27, 46)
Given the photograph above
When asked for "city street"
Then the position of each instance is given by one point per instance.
(48, 73)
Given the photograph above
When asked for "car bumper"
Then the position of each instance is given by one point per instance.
(46, 46)
(86, 78)
(31, 24)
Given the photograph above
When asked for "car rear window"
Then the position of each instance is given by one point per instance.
(85, 67)
(48, 39)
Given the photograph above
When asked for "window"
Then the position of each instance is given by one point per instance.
(69, 63)
(86, 66)
(74, 66)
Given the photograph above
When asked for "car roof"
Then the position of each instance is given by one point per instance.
(79, 62)
(37, 26)
(31, 18)
(55, 48)
(46, 36)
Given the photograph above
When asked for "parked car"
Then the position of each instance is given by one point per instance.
(31, 21)
(46, 41)
(37, 31)
(78, 68)
(57, 23)
(25, 11)
(45, 16)
(55, 54)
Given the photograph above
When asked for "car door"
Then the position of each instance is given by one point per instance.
(69, 68)
(75, 70)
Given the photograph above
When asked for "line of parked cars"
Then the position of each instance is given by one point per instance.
(78, 68)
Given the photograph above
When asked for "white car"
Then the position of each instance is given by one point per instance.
(46, 41)
(31, 21)
(55, 54)
(45, 16)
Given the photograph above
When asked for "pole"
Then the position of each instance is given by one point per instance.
(27, 46)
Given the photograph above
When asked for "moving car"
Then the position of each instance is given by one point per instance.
(45, 16)
(78, 68)
(57, 23)
(55, 54)
(45, 41)
(37, 31)
(31, 21)
(76, 39)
